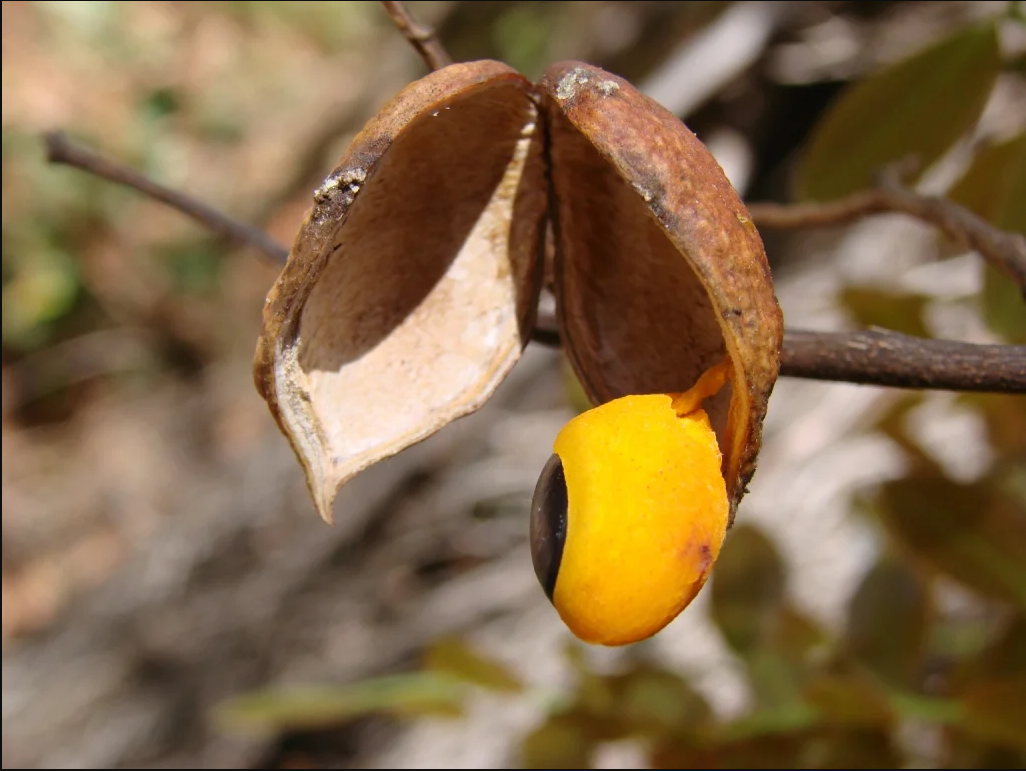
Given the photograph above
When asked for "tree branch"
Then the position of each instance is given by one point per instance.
(873, 357)
(1005, 251)
(421, 37)
(60, 149)
(884, 358)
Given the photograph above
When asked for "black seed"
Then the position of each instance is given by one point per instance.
(548, 524)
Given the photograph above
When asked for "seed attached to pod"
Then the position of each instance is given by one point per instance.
(629, 514)
(659, 272)
(411, 291)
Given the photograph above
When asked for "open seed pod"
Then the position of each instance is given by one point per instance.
(659, 272)
(411, 289)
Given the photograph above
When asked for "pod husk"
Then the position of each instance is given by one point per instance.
(659, 271)
(412, 285)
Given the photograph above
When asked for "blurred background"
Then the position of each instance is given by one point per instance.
(171, 599)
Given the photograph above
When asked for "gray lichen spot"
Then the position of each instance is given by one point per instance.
(607, 87)
(746, 222)
(567, 87)
(341, 186)
(643, 192)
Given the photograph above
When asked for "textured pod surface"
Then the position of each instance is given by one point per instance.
(411, 288)
(659, 270)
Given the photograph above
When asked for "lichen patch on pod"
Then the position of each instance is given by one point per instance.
(659, 272)
(411, 288)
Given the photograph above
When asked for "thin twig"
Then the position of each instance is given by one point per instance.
(1004, 250)
(60, 149)
(421, 37)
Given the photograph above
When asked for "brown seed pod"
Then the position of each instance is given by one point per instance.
(411, 289)
(412, 286)
(659, 271)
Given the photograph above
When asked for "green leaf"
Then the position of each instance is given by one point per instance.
(454, 657)
(1007, 657)
(850, 700)
(796, 640)
(40, 292)
(782, 747)
(654, 699)
(309, 707)
(772, 722)
(782, 751)
(775, 682)
(890, 310)
(748, 586)
(853, 748)
(995, 711)
(912, 706)
(595, 694)
(1018, 62)
(967, 531)
(642, 701)
(679, 753)
(1002, 306)
(919, 106)
(994, 185)
(987, 756)
(560, 742)
(1005, 417)
(773, 750)
(893, 423)
(1002, 657)
(887, 620)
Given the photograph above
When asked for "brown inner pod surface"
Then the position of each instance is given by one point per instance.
(423, 273)
(659, 271)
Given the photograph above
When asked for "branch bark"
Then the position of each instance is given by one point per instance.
(884, 358)
(422, 37)
(874, 357)
(1005, 251)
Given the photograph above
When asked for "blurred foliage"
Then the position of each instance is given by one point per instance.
(453, 656)
(904, 660)
(306, 708)
(820, 700)
(844, 700)
(915, 108)
(887, 309)
(994, 186)
(450, 669)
